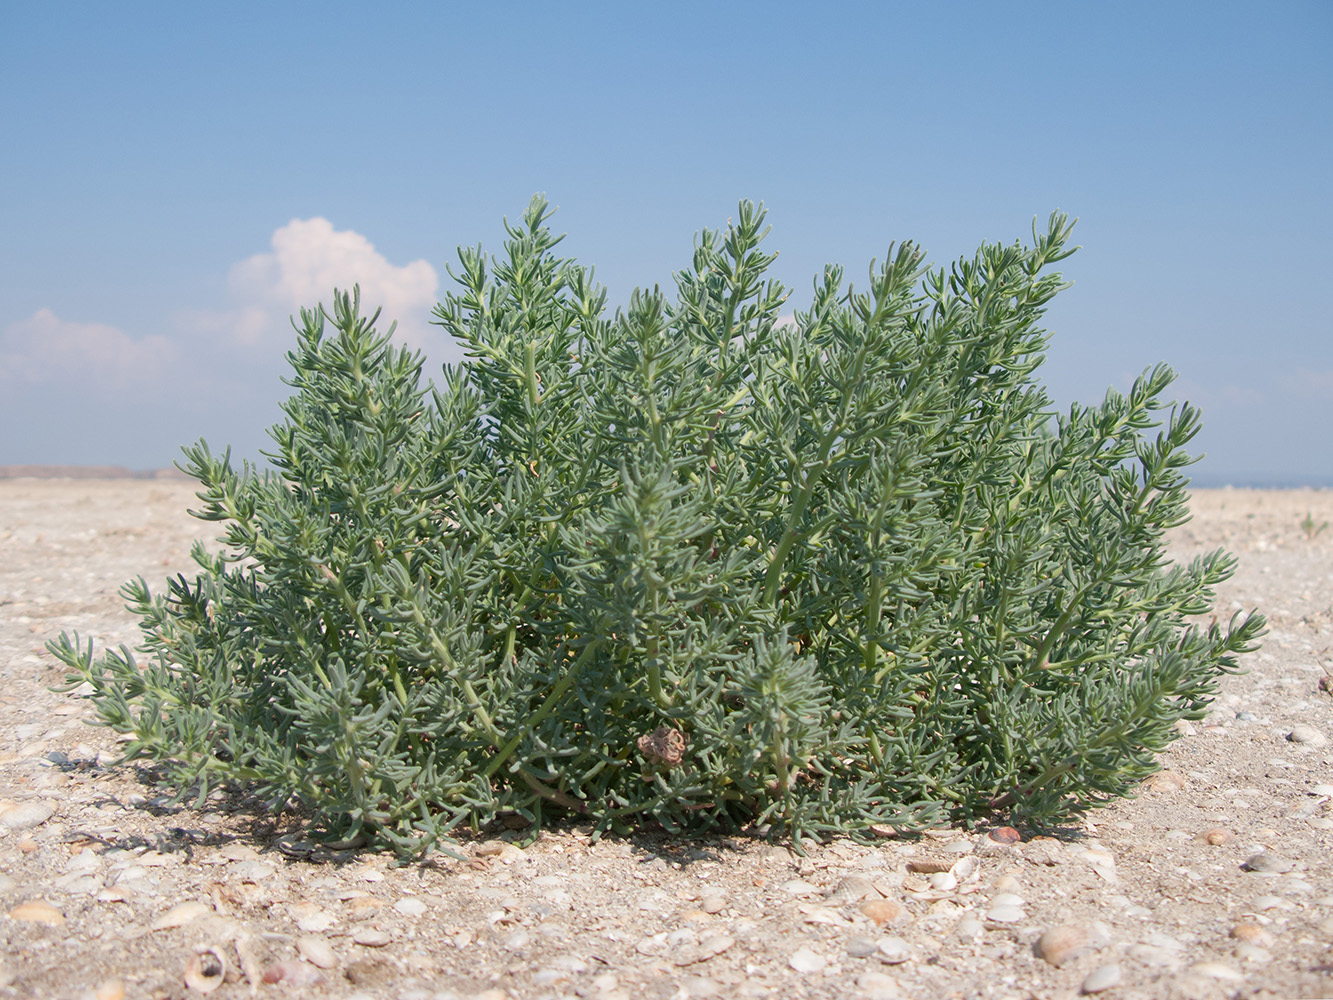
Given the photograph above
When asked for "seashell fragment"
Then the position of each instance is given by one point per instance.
(181, 914)
(293, 972)
(928, 866)
(206, 970)
(967, 869)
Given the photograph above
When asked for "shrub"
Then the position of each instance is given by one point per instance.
(691, 561)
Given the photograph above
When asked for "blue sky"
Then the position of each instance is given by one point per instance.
(177, 178)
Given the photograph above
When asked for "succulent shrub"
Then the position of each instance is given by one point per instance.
(693, 560)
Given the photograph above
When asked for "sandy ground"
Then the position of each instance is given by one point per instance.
(106, 890)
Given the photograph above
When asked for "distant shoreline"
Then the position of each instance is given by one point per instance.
(86, 472)
(123, 472)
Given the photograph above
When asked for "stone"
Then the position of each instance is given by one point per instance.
(970, 927)
(252, 871)
(1217, 970)
(1216, 836)
(1155, 956)
(878, 986)
(709, 947)
(293, 973)
(713, 901)
(796, 887)
(371, 937)
(864, 947)
(699, 986)
(316, 951)
(805, 961)
(410, 906)
(1269, 902)
(1102, 978)
(1253, 953)
(37, 911)
(893, 950)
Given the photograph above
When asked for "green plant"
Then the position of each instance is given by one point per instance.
(1311, 527)
(688, 561)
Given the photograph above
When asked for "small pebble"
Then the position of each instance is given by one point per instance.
(37, 911)
(798, 888)
(1217, 970)
(1102, 978)
(251, 871)
(1253, 953)
(516, 940)
(294, 973)
(894, 950)
(970, 927)
(878, 986)
(713, 901)
(316, 951)
(411, 906)
(864, 947)
(806, 961)
(1216, 836)
(1269, 902)
(371, 937)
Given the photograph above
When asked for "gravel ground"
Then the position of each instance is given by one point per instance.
(1215, 882)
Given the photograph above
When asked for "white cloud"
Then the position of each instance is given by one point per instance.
(47, 349)
(1308, 382)
(308, 261)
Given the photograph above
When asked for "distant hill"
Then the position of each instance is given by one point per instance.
(85, 472)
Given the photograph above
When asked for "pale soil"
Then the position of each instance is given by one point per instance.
(630, 918)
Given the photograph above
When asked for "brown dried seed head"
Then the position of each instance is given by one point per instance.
(664, 745)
